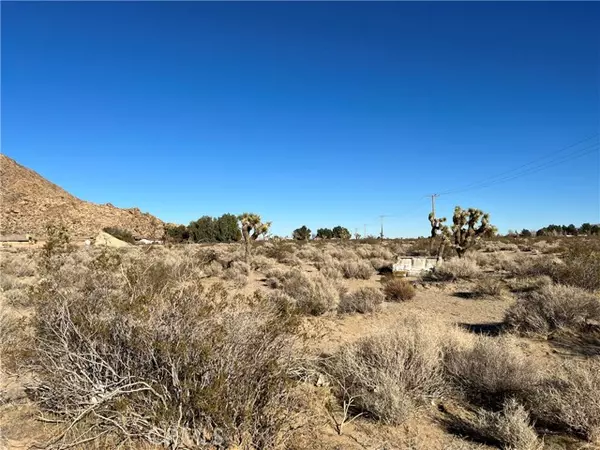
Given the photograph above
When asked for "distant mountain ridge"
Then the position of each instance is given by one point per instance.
(29, 202)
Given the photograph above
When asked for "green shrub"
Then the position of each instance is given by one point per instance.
(302, 233)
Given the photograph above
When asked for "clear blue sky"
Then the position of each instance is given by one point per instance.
(307, 113)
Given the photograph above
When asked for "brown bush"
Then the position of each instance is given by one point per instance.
(313, 293)
(389, 376)
(398, 290)
(579, 266)
(149, 353)
(570, 399)
(553, 308)
(455, 269)
(488, 287)
(509, 428)
(489, 371)
(356, 269)
(528, 284)
(363, 300)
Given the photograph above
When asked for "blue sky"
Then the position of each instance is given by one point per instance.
(308, 113)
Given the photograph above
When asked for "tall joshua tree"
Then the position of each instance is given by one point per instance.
(468, 226)
(252, 227)
(437, 227)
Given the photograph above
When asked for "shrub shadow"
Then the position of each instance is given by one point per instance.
(490, 328)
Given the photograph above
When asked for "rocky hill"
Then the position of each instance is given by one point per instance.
(28, 202)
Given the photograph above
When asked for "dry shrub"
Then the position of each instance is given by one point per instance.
(312, 293)
(509, 428)
(356, 269)
(281, 251)
(17, 298)
(261, 263)
(363, 300)
(554, 308)
(381, 264)
(342, 253)
(455, 269)
(237, 274)
(147, 352)
(398, 290)
(274, 277)
(488, 371)
(491, 287)
(331, 272)
(579, 266)
(213, 269)
(367, 251)
(389, 376)
(570, 400)
(309, 253)
(528, 284)
(19, 264)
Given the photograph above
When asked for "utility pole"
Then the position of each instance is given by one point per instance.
(433, 197)
(365, 235)
(381, 217)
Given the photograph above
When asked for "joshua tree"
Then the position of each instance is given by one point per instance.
(252, 228)
(437, 227)
(468, 226)
(477, 224)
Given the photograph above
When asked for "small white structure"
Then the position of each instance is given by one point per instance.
(415, 265)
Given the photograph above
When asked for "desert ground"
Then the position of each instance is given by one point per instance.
(306, 345)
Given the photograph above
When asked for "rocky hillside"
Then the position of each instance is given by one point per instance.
(29, 202)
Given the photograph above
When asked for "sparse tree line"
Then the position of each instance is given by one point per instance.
(208, 229)
(227, 228)
(304, 233)
(586, 229)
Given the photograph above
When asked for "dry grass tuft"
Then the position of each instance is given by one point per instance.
(363, 300)
(509, 428)
(398, 290)
(554, 308)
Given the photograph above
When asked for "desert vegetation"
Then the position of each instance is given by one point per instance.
(295, 344)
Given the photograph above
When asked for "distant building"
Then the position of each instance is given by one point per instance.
(17, 238)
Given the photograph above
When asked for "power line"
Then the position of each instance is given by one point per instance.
(516, 172)
(526, 172)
